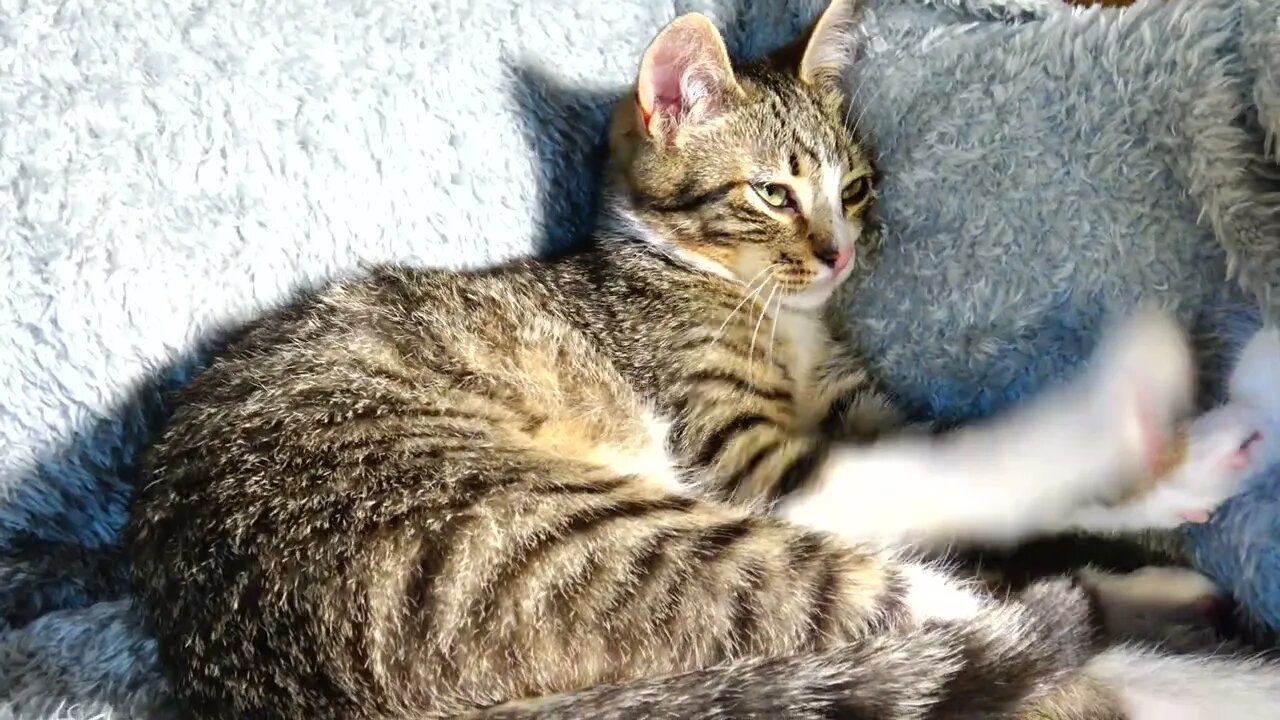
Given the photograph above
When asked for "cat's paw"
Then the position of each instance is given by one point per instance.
(1140, 385)
(1164, 508)
(1225, 447)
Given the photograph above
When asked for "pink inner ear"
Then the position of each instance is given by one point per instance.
(665, 84)
(679, 78)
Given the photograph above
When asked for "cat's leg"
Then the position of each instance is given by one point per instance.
(1171, 606)
(1023, 472)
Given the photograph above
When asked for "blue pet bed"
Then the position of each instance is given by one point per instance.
(168, 171)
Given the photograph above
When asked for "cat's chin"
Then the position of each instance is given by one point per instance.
(817, 293)
(812, 297)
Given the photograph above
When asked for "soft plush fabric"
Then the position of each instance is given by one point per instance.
(169, 169)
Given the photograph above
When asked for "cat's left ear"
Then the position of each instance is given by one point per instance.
(824, 55)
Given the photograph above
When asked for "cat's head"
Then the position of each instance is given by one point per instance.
(750, 172)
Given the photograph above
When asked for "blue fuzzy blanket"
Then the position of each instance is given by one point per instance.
(168, 169)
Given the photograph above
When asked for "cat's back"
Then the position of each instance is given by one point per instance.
(401, 387)
(504, 350)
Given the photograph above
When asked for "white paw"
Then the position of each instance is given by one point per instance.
(1175, 506)
(1225, 448)
(1141, 384)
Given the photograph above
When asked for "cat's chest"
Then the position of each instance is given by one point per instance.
(642, 444)
(804, 350)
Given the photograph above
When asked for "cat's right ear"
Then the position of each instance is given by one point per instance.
(685, 78)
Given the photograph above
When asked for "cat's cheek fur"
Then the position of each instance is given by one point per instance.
(703, 263)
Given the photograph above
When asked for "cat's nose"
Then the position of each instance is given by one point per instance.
(834, 257)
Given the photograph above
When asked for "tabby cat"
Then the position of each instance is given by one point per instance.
(642, 479)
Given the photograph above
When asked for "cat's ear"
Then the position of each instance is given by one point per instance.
(824, 54)
(685, 77)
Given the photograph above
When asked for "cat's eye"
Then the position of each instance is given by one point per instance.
(775, 195)
(855, 192)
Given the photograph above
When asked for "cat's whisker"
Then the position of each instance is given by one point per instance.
(773, 333)
(857, 122)
(720, 330)
(745, 299)
(853, 99)
(764, 310)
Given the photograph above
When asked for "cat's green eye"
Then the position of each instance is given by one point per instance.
(775, 195)
(855, 192)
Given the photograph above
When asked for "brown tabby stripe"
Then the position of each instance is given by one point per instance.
(725, 377)
(686, 200)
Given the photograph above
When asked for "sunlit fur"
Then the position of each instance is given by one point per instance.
(542, 489)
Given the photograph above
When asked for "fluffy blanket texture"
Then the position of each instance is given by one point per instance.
(168, 168)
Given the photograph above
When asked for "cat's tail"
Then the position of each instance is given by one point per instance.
(906, 678)
(1157, 686)
(993, 667)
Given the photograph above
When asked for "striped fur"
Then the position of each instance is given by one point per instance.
(541, 489)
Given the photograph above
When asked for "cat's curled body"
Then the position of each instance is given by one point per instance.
(633, 481)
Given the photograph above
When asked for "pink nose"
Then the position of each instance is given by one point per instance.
(843, 257)
(835, 258)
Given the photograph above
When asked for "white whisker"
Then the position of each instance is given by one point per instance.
(853, 98)
(764, 310)
(857, 122)
(774, 332)
(720, 330)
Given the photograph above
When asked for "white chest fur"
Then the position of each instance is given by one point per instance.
(646, 455)
(806, 344)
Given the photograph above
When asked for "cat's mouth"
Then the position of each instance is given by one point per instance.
(835, 266)
(820, 288)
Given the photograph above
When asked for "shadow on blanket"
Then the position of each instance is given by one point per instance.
(64, 553)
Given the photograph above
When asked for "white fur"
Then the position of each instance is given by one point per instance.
(1014, 476)
(692, 259)
(1218, 463)
(1256, 377)
(650, 460)
(656, 461)
(804, 335)
(1159, 687)
(832, 173)
(703, 263)
(934, 593)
